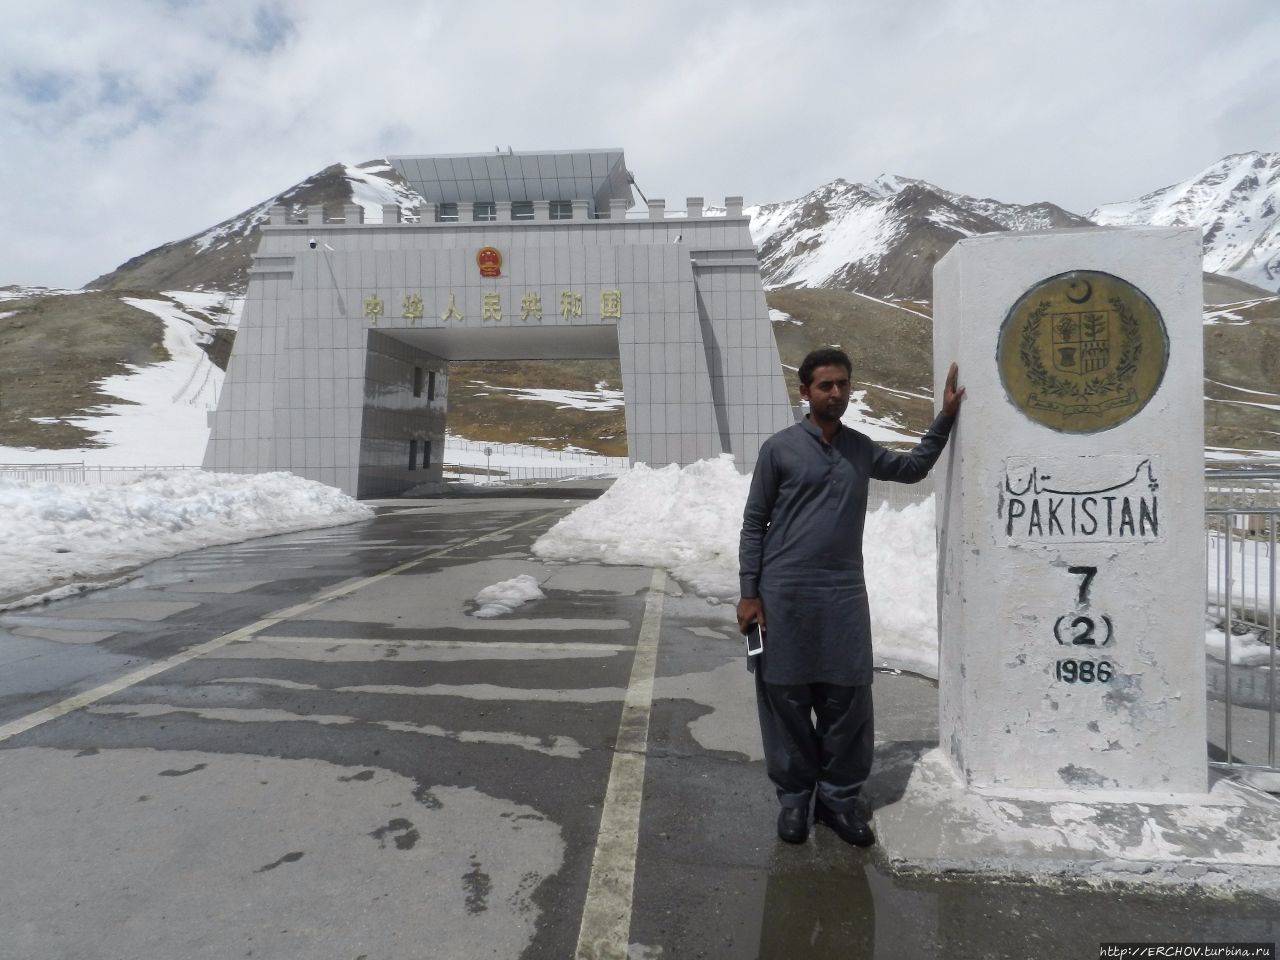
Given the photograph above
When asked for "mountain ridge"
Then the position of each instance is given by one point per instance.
(1235, 201)
(881, 238)
(218, 258)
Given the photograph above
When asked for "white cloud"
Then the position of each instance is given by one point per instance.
(129, 124)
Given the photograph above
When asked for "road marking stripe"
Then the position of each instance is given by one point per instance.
(606, 914)
(63, 707)
(535, 646)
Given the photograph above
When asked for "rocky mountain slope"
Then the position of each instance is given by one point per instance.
(881, 238)
(1236, 201)
(218, 258)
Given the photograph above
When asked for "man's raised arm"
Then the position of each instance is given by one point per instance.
(914, 465)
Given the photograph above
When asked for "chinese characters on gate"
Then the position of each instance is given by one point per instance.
(571, 306)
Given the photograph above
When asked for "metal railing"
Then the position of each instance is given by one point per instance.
(519, 451)
(43, 472)
(478, 474)
(493, 463)
(898, 495)
(1242, 521)
(81, 473)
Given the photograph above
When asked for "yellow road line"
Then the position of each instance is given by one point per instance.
(530, 645)
(606, 914)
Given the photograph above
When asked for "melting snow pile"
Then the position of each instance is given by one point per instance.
(502, 598)
(55, 533)
(688, 521)
(684, 520)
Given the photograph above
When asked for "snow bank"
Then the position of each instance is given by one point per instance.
(684, 520)
(688, 521)
(58, 532)
(502, 598)
(1247, 650)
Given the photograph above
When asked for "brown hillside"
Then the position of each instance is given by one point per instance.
(182, 266)
(54, 349)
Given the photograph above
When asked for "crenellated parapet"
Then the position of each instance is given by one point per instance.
(484, 214)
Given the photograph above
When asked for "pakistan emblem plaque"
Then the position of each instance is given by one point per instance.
(1082, 352)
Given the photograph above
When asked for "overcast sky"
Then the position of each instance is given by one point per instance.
(130, 123)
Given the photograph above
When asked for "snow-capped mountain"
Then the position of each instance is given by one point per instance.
(881, 238)
(218, 258)
(1236, 201)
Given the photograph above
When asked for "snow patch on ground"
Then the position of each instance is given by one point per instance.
(688, 522)
(599, 399)
(685, 520)
(18, 292)
(880, 429)
(162, 420)
(500, 599)
(1247, 649)
(60, 532)
(225, 233)
(372, 192)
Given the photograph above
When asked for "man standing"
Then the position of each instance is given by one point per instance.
(800, 562)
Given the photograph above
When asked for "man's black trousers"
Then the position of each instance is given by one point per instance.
(817, 736)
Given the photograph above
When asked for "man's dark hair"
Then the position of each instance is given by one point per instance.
(826, 357)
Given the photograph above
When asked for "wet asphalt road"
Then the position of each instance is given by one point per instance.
(368, 771)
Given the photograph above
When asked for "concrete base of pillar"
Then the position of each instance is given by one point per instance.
(1224, 841)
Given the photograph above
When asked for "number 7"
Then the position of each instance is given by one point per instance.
(1088, 573)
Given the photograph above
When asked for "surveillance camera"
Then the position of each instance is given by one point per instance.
(312, 243)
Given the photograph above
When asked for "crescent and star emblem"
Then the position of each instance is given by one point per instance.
(1082, 352)
(1075, 286)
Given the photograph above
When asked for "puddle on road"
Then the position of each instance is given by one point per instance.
(853, 910)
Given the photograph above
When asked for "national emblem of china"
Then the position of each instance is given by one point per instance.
(489, 260)
(1082, 352)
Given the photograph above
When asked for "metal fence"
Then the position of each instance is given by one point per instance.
(457, 450)
(81, 473)
(1242, 518)
(898, 495)
(43, 472)
(496, 463)
(519, 473)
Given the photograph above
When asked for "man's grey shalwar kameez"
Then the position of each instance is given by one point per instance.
(801, 554)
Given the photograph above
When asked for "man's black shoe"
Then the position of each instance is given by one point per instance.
(793, 824)
(850, 825)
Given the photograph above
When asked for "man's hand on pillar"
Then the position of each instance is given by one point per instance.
(951, 397)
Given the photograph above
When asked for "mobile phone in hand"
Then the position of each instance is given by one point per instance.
(755, 638)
